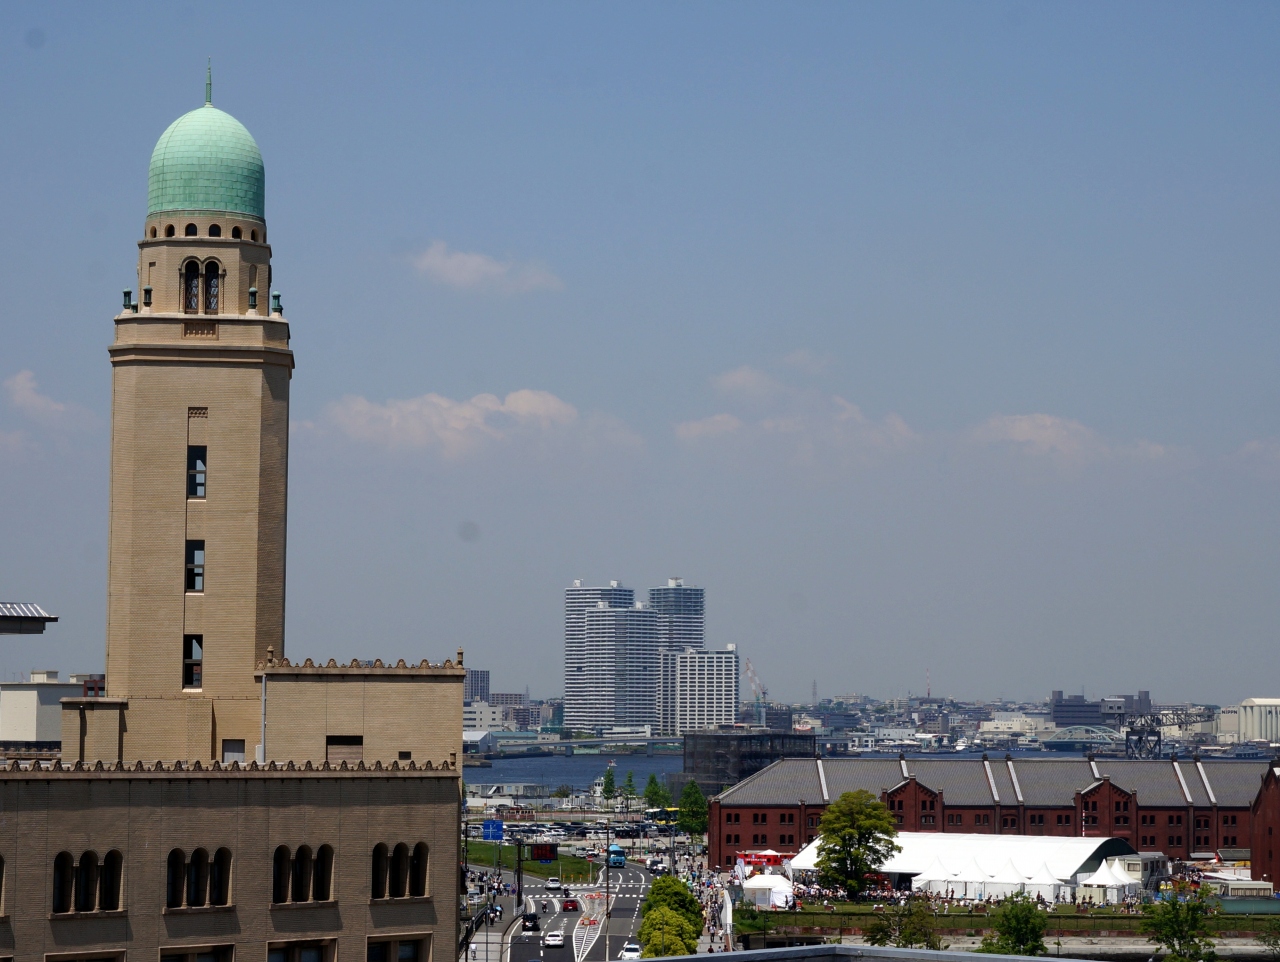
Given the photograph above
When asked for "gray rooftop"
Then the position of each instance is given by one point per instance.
(20, 618)
(1043, 782)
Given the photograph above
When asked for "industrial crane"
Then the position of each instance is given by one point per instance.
(1142, 737)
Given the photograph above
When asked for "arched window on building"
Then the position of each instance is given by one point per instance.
(168, 231)
(235, 233)
(153, 232)
(109, 884)
(215, 230)
(322, 883)
(191, 288)
(418, 871)
(399, 871)
(253, 235)
(64, 875)
(378, 888)
(190, 230)
(220, 878)
(280, 875)
(302, 874)
(197, 877)
(87, 883)
(175, 879)
(211, 271)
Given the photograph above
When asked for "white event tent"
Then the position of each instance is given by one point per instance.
(981, 866)
(768, 891)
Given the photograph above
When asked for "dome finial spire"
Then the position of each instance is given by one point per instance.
(208, 84)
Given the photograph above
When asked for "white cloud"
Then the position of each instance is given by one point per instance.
(808, 362)
(747, 382)
(707, 427)
(464, 270)
(456, 428)
(25, 396)
(1047, 434)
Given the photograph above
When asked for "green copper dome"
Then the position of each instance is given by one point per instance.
(206, 160)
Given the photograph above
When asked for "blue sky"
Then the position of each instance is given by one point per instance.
(927, 337)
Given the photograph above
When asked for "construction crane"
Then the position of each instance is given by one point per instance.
(760, 694)
(1142, 735)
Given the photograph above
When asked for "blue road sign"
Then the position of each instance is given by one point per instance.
(492, 830)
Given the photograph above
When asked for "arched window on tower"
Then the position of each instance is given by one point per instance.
(109, 891)
(211, 288)
(280, 866)
(220, 878)
(253, 235)
(153, 232)
(302, 874)
(64, 874)
(197, 877)
(215, 230)
(190, 230)
(322, 877)
(191, 288)
(235, 233)
(175, 878)
(168, 231)
(87, 883)
(398, 875)
(378, 888)
(418, 871)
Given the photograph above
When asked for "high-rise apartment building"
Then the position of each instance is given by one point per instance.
(615, 682)
(697, 689)
(476, 687)
(681, 611)
(614, 650)
(583, 669)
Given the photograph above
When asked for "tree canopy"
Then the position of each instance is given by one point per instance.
(629, 786)
(857, 838)
(665, 932)
(671, 893)
(656, 794)
(1180, 924)
(610, 786)
(905, 926)
(1019, 928)
(693, 809)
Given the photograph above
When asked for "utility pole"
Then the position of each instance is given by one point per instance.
(519, 877)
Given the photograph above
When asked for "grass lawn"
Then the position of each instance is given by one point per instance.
(569, 868)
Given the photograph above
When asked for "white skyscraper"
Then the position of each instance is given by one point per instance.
(681, 611)
(697, 689)
(585, 670)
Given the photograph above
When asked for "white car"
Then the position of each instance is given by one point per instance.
(556, 938)
(552, 884)
(630, 951)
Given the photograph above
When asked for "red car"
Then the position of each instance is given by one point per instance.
(570, 905)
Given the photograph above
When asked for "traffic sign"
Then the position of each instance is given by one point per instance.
(492, 830)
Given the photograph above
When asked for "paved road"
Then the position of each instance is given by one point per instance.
(627, 887)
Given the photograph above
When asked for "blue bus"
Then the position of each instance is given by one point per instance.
(617, 857)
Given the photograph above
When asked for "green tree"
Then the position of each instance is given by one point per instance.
(693, 809)
(664, 932)
(629, 786)
(1019, 928)
(1269, 939)
(905, 926)
(562, 791)
(610, 787)
(656, 794)
(671, 893)
(1180, 924)
(857, 838)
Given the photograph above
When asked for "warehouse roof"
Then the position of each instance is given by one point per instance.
(1034, 782)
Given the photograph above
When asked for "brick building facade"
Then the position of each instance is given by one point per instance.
(1179, 806)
